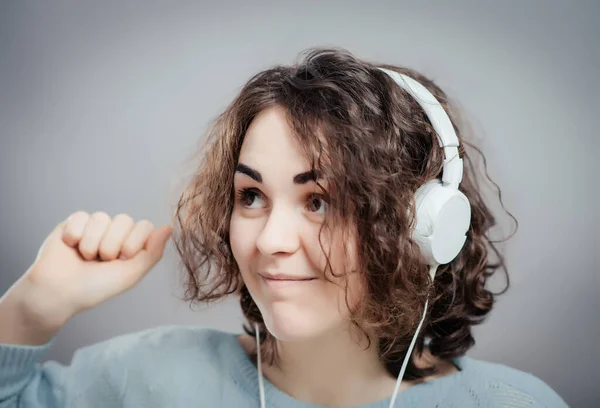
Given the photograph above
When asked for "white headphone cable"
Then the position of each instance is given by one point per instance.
(261, 386)
(432, 270)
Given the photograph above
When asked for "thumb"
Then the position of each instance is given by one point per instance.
(52, 239)
(144, 260)
(155, 245)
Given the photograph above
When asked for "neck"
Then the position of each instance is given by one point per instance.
(334, 369)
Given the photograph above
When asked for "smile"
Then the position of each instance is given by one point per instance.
(283, 283)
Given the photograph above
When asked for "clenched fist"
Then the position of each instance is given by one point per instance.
(88, 259)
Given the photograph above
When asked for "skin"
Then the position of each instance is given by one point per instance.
(274, 229)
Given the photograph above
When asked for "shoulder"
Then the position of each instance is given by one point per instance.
(163, 357)
(504, 385)
(169, 340)
(160, 366)
(185, 350)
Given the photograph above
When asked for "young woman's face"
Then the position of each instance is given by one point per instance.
(274, 235)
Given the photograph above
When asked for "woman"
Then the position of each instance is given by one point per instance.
(312, 204)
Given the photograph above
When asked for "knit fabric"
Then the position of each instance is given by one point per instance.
(181, 366)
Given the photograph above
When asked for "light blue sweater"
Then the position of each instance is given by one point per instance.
(179, 366)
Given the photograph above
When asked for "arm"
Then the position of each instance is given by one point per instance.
(24, 340)
(92, 377)
(76, 269)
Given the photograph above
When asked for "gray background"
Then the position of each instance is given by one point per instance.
(101, 104)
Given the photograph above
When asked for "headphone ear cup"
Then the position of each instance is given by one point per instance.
(424, 225)
(443, 219)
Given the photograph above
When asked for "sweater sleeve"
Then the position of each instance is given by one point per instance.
(27, 382)
(503, 386)
(543, 394)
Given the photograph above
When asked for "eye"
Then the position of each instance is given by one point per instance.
(246, 196)
(316, 203)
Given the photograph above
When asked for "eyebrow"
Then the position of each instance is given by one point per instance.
(301, 178)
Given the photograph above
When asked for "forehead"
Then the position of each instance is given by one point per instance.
(269, 144)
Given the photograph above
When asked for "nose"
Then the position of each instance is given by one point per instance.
(280, 232)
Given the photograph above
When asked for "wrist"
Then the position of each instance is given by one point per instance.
(26, 319)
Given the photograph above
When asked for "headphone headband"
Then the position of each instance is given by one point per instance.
(453, 165)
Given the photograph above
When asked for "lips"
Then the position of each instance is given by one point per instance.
(286, 278)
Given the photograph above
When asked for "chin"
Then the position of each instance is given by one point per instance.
(287, 323)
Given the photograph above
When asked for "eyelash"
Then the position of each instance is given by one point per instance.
(243, 194)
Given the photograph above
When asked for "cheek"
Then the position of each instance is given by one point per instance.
(243, 233)
(342, 257)
(340, 250)
(242, 241)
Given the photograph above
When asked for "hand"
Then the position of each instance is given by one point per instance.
(88, 259)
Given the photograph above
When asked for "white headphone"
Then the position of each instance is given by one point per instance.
(443, 212)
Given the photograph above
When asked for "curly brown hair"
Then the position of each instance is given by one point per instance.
(372, 141)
